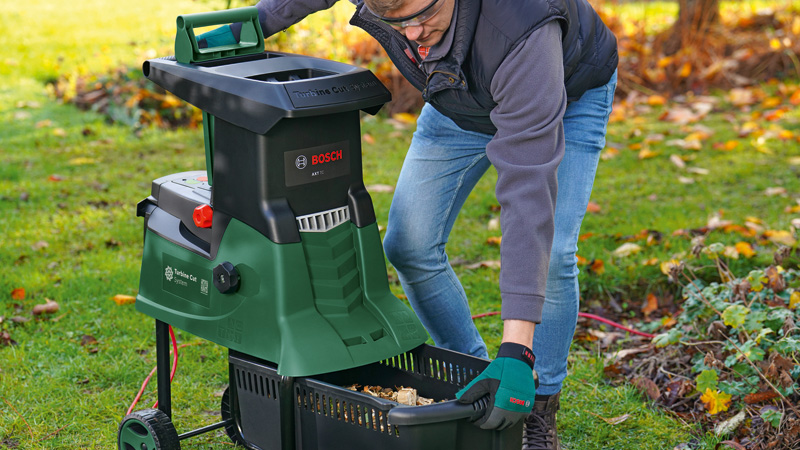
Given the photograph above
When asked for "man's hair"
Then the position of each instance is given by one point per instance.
(381, 7)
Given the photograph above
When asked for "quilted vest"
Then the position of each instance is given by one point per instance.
(486, 32)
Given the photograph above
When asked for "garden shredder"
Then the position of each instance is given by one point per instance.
(274, 252)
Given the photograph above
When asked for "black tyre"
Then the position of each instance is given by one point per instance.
(148, 429)
(232, 429)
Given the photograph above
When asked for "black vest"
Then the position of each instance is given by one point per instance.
(459, 85)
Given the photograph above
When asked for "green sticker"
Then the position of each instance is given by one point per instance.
(186, 280)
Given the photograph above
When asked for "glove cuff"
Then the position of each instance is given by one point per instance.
(516, 351)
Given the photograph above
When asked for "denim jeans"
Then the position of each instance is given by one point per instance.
(441, 168)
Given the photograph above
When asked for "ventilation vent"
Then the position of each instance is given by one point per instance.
(324, 221)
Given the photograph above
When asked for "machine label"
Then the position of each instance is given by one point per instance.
(186, 280)
(312, 164)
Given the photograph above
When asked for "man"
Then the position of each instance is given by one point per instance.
(521, 85)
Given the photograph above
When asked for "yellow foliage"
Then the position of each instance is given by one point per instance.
(716, 401)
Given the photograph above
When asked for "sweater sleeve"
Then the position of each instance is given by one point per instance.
(278, 15)
(531, 99)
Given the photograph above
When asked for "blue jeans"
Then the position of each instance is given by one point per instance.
(441, 168)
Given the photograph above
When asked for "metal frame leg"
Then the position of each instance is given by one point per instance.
(287, 401)
(163, 368)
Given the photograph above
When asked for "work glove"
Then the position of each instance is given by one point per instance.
(217, 37)
(509, 383)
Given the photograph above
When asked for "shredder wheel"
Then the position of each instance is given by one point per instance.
(148, 429)
(232, 429)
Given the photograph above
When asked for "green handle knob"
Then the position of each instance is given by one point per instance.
(251, 40)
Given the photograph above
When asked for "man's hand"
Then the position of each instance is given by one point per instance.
(217, 37)
(510, 385)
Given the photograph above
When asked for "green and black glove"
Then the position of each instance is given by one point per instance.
(509, 383)
(217, 37)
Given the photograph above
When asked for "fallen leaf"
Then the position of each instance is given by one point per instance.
(494, 224)
(678, 161)
(597, 266)
(656, 100)
(729, 426)
(685, 180)
(494, 240)
(47, 308)
(698, 170)
(760, 397)
(651, 304)
(406, 118)
(745, 249)
(492, 264)
(733, 444)
(794, 300)
(44, 123)
(726, 146)
(39, 245)
(715, 401)
(18, 294)
(780, 237)
(627, 249)
(81, 161)
(773, 191)
(381, 188)
(613, 420)
(646, 153)
(647, 386)
(593, 208)
(121, 299)
(368, 138)
(88, 339)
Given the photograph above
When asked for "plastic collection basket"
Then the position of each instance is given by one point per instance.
(327, 416)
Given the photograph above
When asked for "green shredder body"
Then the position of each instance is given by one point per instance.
(291, 269)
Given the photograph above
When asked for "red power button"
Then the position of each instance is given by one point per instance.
(203, 216)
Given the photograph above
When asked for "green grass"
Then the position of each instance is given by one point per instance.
(69, 183)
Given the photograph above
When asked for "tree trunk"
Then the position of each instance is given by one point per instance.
(695, 19)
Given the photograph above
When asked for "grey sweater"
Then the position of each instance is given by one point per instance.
(531, 99)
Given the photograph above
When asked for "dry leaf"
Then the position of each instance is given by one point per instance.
(745, 249)
(494, 240)
(18, 294)
(772, 191)
(121, 299)
(48, 308)
(368, 138)
(593, 207)
(492, 264)
(716, 401)
(780, 237)
(380, 188)
(678, 161)
(626, 249)
(685, 180)
(760, 397)
(650, 305)
(597, 266)
(407, 396)
(647, 386)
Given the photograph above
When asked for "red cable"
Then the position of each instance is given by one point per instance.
(171, 376)
(587, 316)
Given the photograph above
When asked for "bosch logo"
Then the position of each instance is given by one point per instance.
(301, 162)
(326, 157)
(516, 401)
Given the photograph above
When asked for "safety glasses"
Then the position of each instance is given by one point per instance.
(416, 19)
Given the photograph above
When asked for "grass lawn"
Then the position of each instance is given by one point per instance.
(69, 183)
